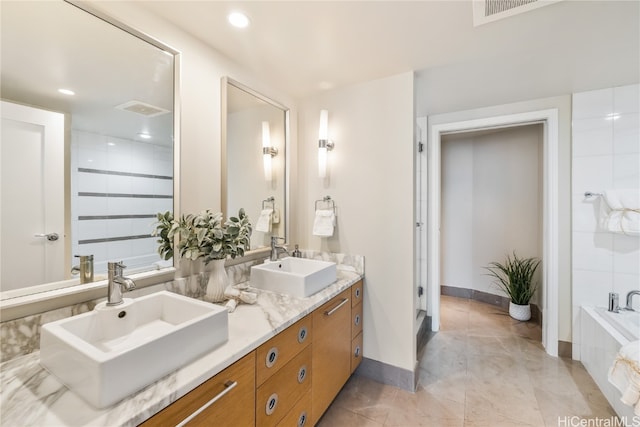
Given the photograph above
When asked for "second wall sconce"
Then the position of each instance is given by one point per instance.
(268, 152)
(324, 144)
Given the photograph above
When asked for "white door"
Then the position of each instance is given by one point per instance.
(31, 196)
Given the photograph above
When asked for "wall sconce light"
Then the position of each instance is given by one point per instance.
(324, 145)
(268, 152)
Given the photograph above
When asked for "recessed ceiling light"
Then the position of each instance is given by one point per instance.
(144, 135)
(238, 19)
(66, 91)
(612, 116)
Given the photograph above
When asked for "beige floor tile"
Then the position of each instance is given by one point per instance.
(340, 417)
(482, 369)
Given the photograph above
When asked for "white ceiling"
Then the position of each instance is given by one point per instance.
(301, 47)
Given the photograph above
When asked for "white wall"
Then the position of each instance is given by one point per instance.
(491, 202)
(606, 155)
(371, 179)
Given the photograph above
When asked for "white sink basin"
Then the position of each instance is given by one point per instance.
(112, 352)
(299, 277)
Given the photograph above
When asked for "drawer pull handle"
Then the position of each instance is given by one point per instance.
(357, 292)
(357, 320)
(334, 309)
(302, 419)
(357, 352)
(272, 357)
(229, 385)
(302, 374)
(302, 334)
(272, 403)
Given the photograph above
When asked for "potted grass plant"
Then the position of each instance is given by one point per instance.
(515, 278)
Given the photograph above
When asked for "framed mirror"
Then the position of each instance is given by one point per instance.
(255, 135)
(89, 120)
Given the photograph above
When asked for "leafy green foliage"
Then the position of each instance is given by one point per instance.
(515, 277)
(206, 236)
(165, 229)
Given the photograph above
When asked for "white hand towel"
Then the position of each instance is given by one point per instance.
(620, 212)
(264, 221)
(625, 374)
(324, 223)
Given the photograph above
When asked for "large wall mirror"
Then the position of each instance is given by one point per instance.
(87, 146)
(255, 148)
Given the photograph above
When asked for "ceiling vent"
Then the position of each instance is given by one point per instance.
(485, 11)
(142, 108)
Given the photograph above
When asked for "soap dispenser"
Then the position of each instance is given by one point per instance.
(297, 253)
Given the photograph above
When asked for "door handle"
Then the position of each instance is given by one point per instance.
(52, 237)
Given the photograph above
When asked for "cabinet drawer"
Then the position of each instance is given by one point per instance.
(282, 390)
(357, 290)
(356, 320)
(356, 352)
(300, 414)
(229, 410)
(276, 352)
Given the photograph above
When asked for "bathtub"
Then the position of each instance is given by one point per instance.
(601, 336)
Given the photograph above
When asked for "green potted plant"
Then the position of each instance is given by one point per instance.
(515, 278)
(205, 236)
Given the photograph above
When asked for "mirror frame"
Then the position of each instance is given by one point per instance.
(224, 82)
(47, 300)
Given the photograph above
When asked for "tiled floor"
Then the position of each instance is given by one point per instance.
(482, 369)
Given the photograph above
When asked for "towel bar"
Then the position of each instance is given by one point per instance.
(589, 194)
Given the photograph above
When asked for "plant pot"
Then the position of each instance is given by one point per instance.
(520, 312)
(218, 281)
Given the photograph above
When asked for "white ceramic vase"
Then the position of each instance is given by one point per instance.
(520, 312)
(218, 281)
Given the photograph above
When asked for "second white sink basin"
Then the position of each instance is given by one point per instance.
(111, 352)
(299, 277)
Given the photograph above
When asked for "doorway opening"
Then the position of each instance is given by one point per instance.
(548, 292)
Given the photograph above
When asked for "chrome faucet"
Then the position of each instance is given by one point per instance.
(117, 283)
(629, 298)
(274, 248)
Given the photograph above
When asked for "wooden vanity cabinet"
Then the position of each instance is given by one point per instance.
(283, 370)
(233, 390)
(331, 351)
(356, 324)
(290, 380)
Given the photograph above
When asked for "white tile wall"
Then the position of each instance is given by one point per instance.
(605, 155)
(116, 154)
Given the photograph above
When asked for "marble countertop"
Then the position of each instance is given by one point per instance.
(33, 397)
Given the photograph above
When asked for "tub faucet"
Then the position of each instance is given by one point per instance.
(629, 298)
(117, 283)
(274, 248)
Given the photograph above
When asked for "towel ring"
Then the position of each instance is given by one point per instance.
(328, 200)
(268, 200)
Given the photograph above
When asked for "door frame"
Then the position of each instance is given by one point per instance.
(550, 239)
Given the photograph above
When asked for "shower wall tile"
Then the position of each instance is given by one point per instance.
(605, 155)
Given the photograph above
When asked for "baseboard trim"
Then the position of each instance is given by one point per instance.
(388, 374)
(496, 300)
(565, 349)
